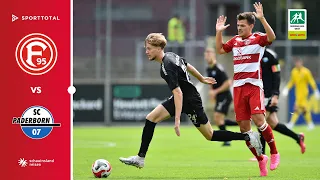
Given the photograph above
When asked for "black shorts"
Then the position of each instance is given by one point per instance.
(223, 103)
(267, 102)
(193, 108)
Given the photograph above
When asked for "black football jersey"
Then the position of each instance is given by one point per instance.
(174, 71)
(270, 73)
(220, 75)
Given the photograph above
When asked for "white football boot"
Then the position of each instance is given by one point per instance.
(136, 161)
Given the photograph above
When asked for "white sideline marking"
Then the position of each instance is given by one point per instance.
(93, 144)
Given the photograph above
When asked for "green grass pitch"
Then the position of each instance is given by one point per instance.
(189, 156)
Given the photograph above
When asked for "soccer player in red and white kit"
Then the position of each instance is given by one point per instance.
(248, 49)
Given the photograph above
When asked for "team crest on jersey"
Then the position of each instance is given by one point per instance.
(213, 73)
(247, 41)
(238, 39)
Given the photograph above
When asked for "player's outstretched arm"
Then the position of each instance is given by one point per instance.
(219, 28)
(178, 97)
(259, 15)
(194, 72)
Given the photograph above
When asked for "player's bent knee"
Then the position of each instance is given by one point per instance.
(154, 117)
(258, 119)
(244, 129)
(245, 126)
(206, 130)
(158, 114)
(150, 117)
(272, 124)
(208, 134)
(272, 120)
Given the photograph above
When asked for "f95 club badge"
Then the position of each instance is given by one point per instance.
(36, 54)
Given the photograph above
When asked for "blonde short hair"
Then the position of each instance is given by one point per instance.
(156, 39)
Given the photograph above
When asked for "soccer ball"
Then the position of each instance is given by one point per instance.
(101, 168)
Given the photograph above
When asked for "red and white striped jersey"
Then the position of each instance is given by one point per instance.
(247, 55)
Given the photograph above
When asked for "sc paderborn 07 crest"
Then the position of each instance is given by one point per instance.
(36, 122)
(36, 54)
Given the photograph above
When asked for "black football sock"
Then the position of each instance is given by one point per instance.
(146, 137)
(263, 142)
(222, 127)
(229, 122)
(281, 128)
(221, 135)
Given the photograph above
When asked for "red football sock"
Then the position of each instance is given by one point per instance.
(267, 134)
(254, 152)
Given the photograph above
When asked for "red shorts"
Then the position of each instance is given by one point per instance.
(248, 100)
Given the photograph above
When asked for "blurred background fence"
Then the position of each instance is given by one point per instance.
(116, 83)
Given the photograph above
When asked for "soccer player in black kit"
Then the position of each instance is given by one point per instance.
(186, 99)
(219, 92)
(271, 83)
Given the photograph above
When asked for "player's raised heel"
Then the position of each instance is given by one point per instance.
(275, 161)
(133, 161)
(301, 143)
(263, 166)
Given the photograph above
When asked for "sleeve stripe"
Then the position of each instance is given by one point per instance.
(276, 68)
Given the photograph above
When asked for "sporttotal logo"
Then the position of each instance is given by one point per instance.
(36, 54)
(14, 18)
(36, 18)
(297, 24)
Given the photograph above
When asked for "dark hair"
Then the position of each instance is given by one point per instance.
(249, 16)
